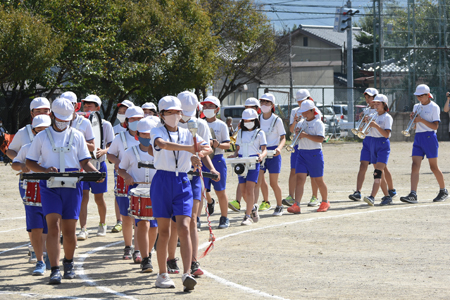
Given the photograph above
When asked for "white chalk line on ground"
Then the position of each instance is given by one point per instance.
(263, 294)
(17, 247)
(8, 219)
(33, 295)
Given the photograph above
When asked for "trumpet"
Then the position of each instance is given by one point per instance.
(290, 148)
(366, 129)
(411, 122)
(358, 127)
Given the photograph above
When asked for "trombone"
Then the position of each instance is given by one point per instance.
(290, 148)
(366, 129)
(411, 122)
(359, 126)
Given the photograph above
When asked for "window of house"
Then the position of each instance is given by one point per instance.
(305, 41)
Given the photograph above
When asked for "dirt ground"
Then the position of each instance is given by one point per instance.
(353, 251)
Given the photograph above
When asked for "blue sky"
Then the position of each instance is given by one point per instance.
(306, 12)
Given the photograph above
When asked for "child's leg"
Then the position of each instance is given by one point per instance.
(183, 223)
(301, 179)
(292, 183)
(136, 239)
(361, 174)
(275, 187)
(314, 187)
(258, 186)
(36, 242)
(322, 188)
(173, 240)
(127, 230)
(142, 236)
(68, 229)
(193, 230)
(388, 178)
(53, 245)
(152, 234)
(377, 181)
(415, 168)
(264, 187)
(248, 195)
(162, 245)
(238, 193)
(436, 171)
(223, 202)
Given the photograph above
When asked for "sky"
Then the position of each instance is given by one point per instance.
(286, 13)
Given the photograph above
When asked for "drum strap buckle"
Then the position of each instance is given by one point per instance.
(65, 182)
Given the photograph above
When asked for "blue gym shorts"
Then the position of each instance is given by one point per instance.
(221, 167)
(425, 143)
(21, 190)
(63, 201)
(294, 157)
(95, 187)
(365, 151)
(310, 162)
(123, 203)
(252, 175)
(35, 218)
(153, 223)
(196, 186)
(380, 148)
(171, 195)
(273, 165)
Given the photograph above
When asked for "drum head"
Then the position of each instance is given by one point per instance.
(140, 192)
(95, 119)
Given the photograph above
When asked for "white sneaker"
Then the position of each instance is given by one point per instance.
(188, 282)
(163, 281)
(83, 235)
(278, 211)
(102, 229)
(32, 259)
(255, 215)
(246, 221)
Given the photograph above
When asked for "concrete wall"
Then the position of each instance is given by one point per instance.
(401, 120)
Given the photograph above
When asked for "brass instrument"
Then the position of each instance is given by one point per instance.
(366, 129)
(233, 139)
(411, 122)
(359, 126)
(290, 148)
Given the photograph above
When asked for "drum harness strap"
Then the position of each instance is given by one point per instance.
(246, 145)
(124, 140)
(79, 121)
(272, 125)
(61, 150)
(138, 157)
(30, 133)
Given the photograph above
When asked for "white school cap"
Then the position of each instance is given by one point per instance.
(169, 103)
(126, 103)
(302, 94)
(268, 97)
(189, 103)
(211, 99)
(145, 125)
(63, 109)
(249, 114)
(149, 105)
(422, 89)
(134, 112)
(70, 96)
(371, 92)
(307, 105)
(93, 98)
(380, 98)
(252, 102)
(41, 121)
(39, 102)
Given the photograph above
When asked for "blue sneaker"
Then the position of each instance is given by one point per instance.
(47, 262)
(55, 277)
(68, 270)
(392, 193)
(386, 200)
(40, 269)
(369, 200)
(224, 222)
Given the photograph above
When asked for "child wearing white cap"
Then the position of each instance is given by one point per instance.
(220, 142)
(251, 141)
(275, 133)
(310, 157)
(122, 108)
(122, 142)
(296, 116)
(149, 109)
(132, 174)
(380, 148)
(171, 191)
(60, 205)
(365, 157)
(35, 219)
(92, 103)
(425, 143)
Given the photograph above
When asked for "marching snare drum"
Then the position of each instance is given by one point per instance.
(32, 193)
(121, 189)
(140, 204)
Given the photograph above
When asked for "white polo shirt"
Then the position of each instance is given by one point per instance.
(245, 137)
(222, 135)
(117, 147)
(385, 121)
(273, 137)
(314, 127)
(166, 159)
(85, 127)
(129, 163)
(22, 137)
(430, 112)
(118, 128)
(41, 149)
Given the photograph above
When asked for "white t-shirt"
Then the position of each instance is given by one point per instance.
(430, 112)
(22, 155)
(273, 137)
(85, 127)
(295, 112)
(203, 128)
(221, 132)
(41, 149)
(167, 159)
(22, 137)
(129, 163)
(385, 121)
(117, 148)
(118, 128)
(108, 137)
(314, 127)
(253, 147)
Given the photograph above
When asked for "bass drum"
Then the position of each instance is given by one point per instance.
(96, 122)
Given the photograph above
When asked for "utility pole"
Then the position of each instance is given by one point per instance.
(351, 100)
(291, 81)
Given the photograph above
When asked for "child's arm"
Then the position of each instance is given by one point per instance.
(236, 153)
(314, 138)
(263, 153)
(384, 132)
(126, 177)
(17, 166)
(170, 146)
(432, 125)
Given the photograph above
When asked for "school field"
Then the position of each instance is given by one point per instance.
(353, 251)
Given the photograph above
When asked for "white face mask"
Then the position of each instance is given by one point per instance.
(121, 118)
(133, 125)
(249, 125)
(61, 125)
(209, 113)
(172, 120)
(185, 118)
(265, 108)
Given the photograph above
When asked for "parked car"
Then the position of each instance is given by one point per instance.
(234, 111)
(329, 118)
(341, 112)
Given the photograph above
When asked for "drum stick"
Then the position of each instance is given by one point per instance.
(205, 174)
(89, 176)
